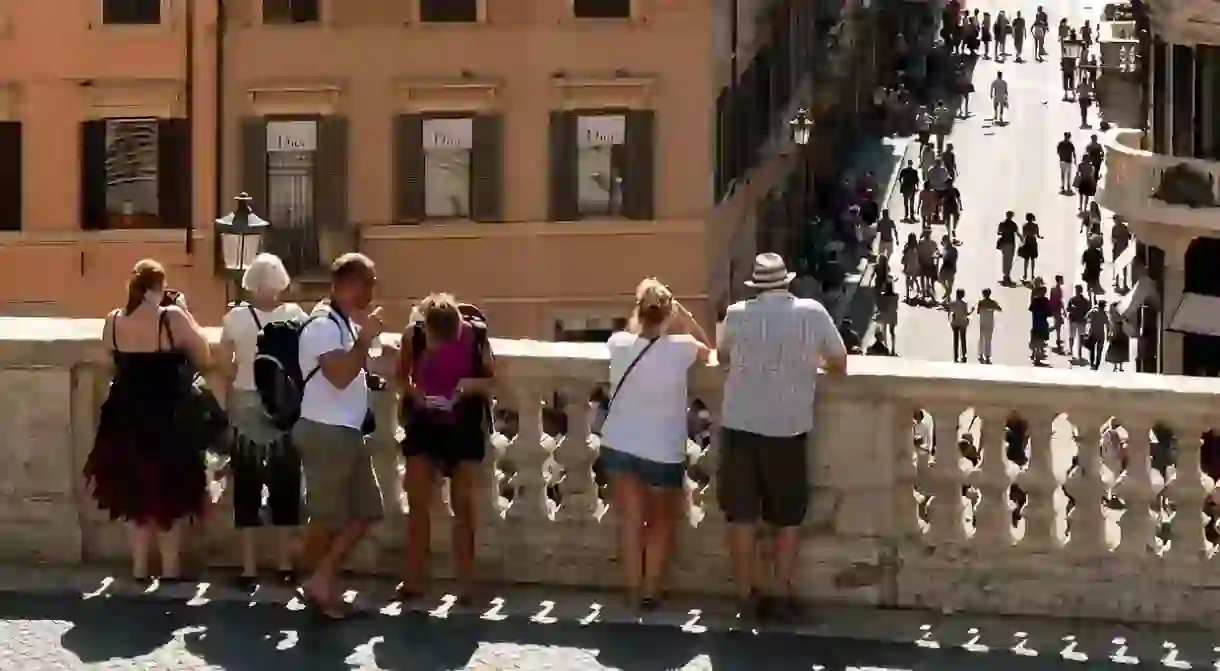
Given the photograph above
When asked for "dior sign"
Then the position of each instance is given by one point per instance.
(448, 134)
(600, 131)
(292, 136)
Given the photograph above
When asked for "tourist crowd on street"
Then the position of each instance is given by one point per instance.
(278, 413)
(929, 259)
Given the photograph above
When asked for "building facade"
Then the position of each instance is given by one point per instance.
(538, 157)
(1164, 180)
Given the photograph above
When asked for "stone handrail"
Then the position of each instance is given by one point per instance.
(891, 523)
(1132, 175)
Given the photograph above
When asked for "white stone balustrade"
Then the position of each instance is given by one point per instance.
(1134, 545)
(1132, 175)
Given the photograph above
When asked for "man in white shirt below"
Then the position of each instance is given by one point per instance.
(999, 98)
(342, 496)
(772, 345)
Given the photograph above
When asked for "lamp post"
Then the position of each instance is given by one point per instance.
(240, 234)
(801, 127)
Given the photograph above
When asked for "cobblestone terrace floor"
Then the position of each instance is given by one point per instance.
(47, 621)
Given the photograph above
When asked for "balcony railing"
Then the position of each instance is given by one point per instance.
(891, 523)
(1132, 184)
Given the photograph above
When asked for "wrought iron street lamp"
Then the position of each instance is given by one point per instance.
(240, 233)
(802, 127)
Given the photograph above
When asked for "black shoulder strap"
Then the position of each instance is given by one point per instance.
(164, 327)
(480, 344)
(258, 323)
(630, 367)
(313, 317)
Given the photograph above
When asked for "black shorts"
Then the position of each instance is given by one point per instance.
(446, 441)
(278, 468)
(763, 478)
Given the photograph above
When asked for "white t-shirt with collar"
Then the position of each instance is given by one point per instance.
(321, 401)
(240, 329)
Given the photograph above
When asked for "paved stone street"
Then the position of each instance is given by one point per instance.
(56, 630)
(1010, 167)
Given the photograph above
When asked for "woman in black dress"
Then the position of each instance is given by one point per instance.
(1029, 247)
(1118, 351)
(1092, 260)
(147, 463)
(1039, 330)
(1086, 183)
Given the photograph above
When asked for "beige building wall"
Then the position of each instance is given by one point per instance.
(366, 61)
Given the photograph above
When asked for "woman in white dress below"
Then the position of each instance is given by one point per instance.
(644, 436)
(264, 469)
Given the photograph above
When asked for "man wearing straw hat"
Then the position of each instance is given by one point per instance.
(772, 346)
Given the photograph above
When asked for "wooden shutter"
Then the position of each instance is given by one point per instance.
(330, 174)
(174, 178)
(638, 182)
(253, 164)
(409, 194)
(93, 174)
(487, 169)
(565, 205)
(10, 175)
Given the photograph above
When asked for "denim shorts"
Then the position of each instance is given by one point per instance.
(651, 473)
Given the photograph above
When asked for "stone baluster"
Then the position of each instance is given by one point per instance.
(1088, 486)
(576, 455)
(529, 456)
(1138, 491)
(947, 509)
(1043, 529)
(1188, 489)
(993, 516)
(904, 507)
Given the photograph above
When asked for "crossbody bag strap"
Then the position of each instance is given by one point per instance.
(339, 325)
(630, 367)
(258, 323)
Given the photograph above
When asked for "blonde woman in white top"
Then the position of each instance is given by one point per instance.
(263, 458)
(645, 432)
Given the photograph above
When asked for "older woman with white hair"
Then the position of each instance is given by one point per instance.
(263, 457)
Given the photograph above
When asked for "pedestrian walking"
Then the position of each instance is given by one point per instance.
(1018, 35)
(986, 309)
(927, 158)
(263, 456)
(1092, 259)
(923, 125)
(908, 185)
(1056, 304)
(1067, 64)
(1085, 183)
(951, 208)
(342, 496)
(1096, 154)
(985, 27)
(1084, 99)
(1066, 151)
(942, 123)
(929, 206)
(886, 232)
(963, 86)
(1007, 233)
(1118, 347)
(928, 253)
(1090, 221)
(948, 265)
(1120, 239)
(1030, 234)
(959, 322)
(1039, 35)
(1078, 307)
(878, 347)
(949, 158)
(999, 98)
(1001, 35)
(1039, 330)
(766, 344)
(1086, 35)
(910, 266)
(1096, 333)
(887, 316)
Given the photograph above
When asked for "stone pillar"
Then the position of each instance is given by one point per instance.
(1172, 344)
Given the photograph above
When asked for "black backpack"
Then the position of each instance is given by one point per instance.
(277, 367)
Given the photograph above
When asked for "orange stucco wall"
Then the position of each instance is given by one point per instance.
(61, 66)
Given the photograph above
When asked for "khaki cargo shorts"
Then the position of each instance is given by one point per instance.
(340, 484)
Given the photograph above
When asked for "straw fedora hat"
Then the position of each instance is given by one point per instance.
(770, 272)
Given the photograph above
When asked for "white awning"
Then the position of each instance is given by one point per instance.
(1197, 314)
(1129, 305)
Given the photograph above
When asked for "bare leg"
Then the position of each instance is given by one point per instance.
(321, 585)
(285, 542)
(462, 488)
(787, 546)
(627, 495)
(140, 538)
(743, 555)
(170, 543)
(420, 483)
(249, 553)
(662, 509)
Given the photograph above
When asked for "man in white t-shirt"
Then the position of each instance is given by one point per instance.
(342, 496)
(773, 346)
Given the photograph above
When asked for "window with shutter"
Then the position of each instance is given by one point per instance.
(639, 165)
(409, 191)
(122, 185)
(564, 180)
(449, 11)
(284, 157)
(601, 164)
(487, 169)
(174, 173)
(282, 12)
(448, 150)
(93, 174)
(141, 12)
(10, 175)
(601, 9)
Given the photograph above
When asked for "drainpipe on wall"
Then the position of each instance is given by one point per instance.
(188, 95)
(218, 93)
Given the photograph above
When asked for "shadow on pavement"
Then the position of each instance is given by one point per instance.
(241, 637)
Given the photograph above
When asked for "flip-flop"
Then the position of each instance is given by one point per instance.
(319, 610)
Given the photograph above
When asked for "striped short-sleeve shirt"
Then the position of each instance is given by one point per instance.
(774, 344)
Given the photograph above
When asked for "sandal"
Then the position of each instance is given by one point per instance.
(322, 611)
